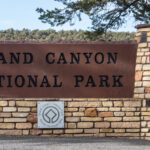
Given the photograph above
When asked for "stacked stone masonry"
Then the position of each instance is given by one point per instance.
(83, 117)
(142, 78)
(90, 117)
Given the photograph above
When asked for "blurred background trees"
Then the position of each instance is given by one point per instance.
(52, 35)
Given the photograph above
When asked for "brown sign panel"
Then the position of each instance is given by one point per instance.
(73, 70)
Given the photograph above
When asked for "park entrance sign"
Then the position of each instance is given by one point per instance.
(67, 70)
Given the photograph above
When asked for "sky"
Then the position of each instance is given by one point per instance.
(19, 14)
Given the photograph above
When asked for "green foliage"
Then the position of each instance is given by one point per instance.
(104, 14)
(52, 35)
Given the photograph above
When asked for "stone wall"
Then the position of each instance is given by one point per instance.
(83, 117)
(142, 77)
(91, 117)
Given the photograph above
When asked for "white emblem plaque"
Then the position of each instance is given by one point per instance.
(51, 114)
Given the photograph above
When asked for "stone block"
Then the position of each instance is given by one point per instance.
(119, 113)
(79, 99)
(140, 96)
(25, 132)
(133, 103)
(141, 45)
(82, 109)
(9, 109)
(71, 109)
(106, 114)
(15, 119)
(19, 115)
(10, 132)
(147, 136)
(146, 78)
(145, 113)
(138, 39)
(107, 104)
(144, 58)
(78, 114)
(25, 103)
(146, 67)
(128, 109)
(148, 124)
(93, 99)
(147, 53)
(12, 103)
(129, 113)
(140, 53)
(113, 119)
(99, 135)
(148, 33)
(106, 130)
(32, 118)
(84, 104)
(146, 130)
(138, 83)
(131, 118)
(114, 109)
(145, 118)
(147, 90)
(147, 95)
(7, 125)
(138, 34)
(91, 112)
(91, 119)
(137, 113)
(23, 125)
(58, 131)
(125, 125)
(102, 109)
(34, 109)
(35, 132)
(133, 130)
(35, 126)
(68, 114)
(138, 67)
(144, 49)
(73, 131)
(144, 29)
(138, 59)
(118, 104)
(72, 125)
(5, 115)
(139, 90)
(148, 109)
(146, 73)
(23, 109)
(47, 131)
(119, 130)
(91, 131)
(3, 103)
(72, 119)
(102, 125)
(143, 109)
(85, 125)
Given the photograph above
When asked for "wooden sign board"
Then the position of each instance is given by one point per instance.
(73, 70)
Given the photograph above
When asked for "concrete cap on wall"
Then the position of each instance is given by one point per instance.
(142, 26)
